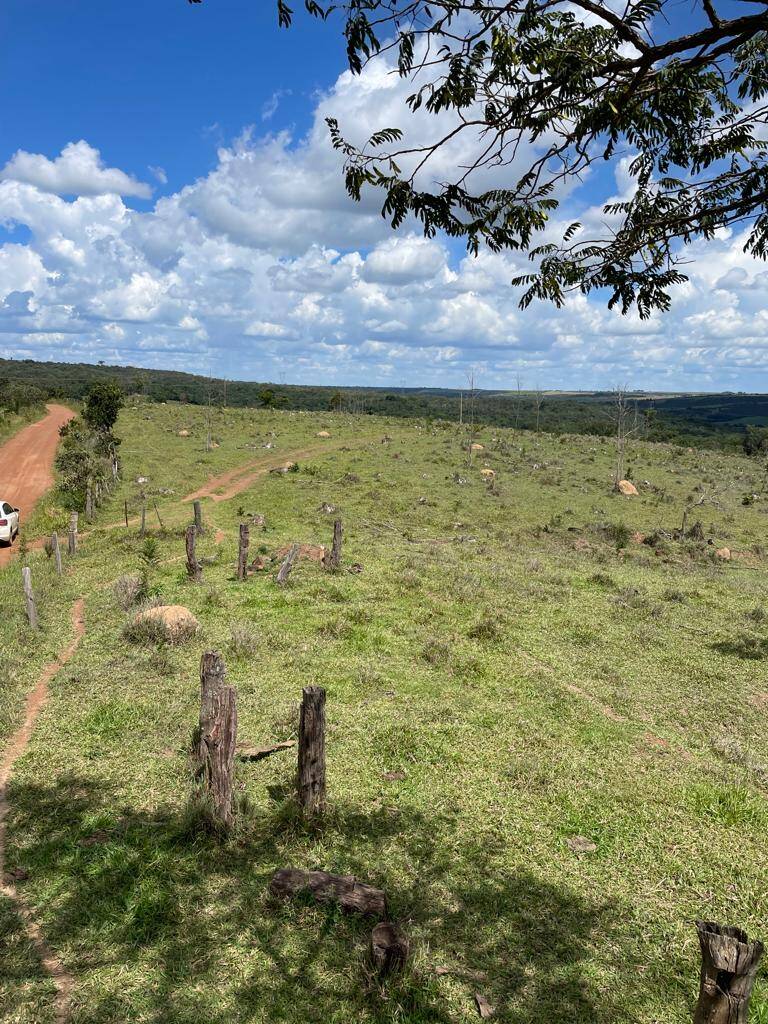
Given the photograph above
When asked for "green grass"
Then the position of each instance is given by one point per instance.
(530, 680)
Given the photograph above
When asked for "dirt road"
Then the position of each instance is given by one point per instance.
(26, 465)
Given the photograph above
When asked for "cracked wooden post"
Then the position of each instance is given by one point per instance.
(198, 516)
(29, 597)
(285, 568)
(242, 553)
(194, 569)
(729, 963)
(213, 675)
(56, 551)
(72, 540)
(218, 742)
(311, 774)
(332, 559)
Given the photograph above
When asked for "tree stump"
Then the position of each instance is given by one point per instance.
(729, 963)
(311, 774)
(219, 741)
(198, 516)
(389, 948)
(285, 568)
(72, 541)
(345, 890)
(213, 675)
(56, 550)
(242, 553)
(29, 597)
(332, 559)
(194, 569)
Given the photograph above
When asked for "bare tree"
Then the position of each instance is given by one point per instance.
(625, 420)
(538, 401)
(518, 400)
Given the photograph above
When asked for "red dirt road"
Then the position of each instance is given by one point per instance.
(26, 465)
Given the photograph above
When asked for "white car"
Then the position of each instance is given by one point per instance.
(9, 522)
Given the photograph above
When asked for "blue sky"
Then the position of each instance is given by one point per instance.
(169, 198)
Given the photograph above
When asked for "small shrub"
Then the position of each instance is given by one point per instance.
(619, 533)
(128, 591)
(147, 632)
(244, 642)
(675, 596)
(436, 652)
(758, 614)
(602, 579)
(488, 627)
(744, 645)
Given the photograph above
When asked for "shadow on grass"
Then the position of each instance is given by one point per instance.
(161, 924)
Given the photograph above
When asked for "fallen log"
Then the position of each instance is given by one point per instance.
(351, 895)
(259, 753)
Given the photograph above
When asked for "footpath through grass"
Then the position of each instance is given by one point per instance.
(503, 676)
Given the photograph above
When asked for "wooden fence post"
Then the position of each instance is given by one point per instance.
(219, 742)
(157, 513)
(72, 541)
(198, 516)
(311, 775)
(143, 527)
(213, 675)
(126, 513)
(285, 568)
(56, 551)
(194, 569)
(242, 554)
(729, 963)
(29, 597)
(332, 559)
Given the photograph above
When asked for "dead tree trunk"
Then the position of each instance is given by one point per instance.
(344, 890)
(213, 675)
(29, 597)
(285, 568)
(72, 542)
(332, 559)
(389, 948)
(194, 569)
(198, 516)
(56, 550)
(729, 963)
(242, 554)
(219, 741)
(311, 775)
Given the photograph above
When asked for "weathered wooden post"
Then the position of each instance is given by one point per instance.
(729, 963)
(311, 774)
(56, 550)
(126, 513)
(213, 675)
(29, 597)
(242, 554)
(89, 501)
(332, 559)
(143, 527)
(198, 516)
(285, 568)
(194, 569)
(72, 541)
(157, 513)
(219, 742)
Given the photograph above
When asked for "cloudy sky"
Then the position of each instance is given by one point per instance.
(169, 198)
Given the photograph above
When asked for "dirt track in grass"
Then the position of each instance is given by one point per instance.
(19, 742)
(26, 465)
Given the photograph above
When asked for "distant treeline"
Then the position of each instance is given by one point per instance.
(719, 420)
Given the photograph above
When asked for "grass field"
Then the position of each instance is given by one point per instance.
(510, 670)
